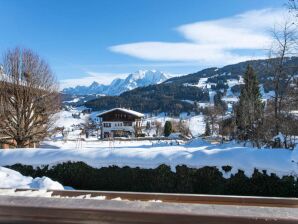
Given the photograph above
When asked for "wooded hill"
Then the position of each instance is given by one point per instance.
(165, 97)
(220, 75)
(169, 96)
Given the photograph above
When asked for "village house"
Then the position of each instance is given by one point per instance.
(120, 122)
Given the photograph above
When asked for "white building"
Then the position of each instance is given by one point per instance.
(120, 122)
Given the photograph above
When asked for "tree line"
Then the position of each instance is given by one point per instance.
(272, 122)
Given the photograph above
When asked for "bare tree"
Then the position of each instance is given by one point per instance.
(148, 128)
(213, 117)
(158, 128)
(89, 126)
(29, 98)
(182, 127)
(284, 46)
(293, 7)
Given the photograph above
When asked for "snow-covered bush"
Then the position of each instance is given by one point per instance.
(205, 180)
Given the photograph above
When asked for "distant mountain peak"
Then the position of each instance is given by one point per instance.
(94, 83)
(134, 80)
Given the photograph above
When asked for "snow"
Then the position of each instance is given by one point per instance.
(72, 125)
(65, 119)
(75, 100)
(132, 112)
(204, 105)
(49, 194)
(211, 97)
(13, 179)
(175, 135)
(280, 136)
(137, 79)
(26, 193)
(197, 125)
(266, 96)
(188, 101)
(148, 154)
(230, 98)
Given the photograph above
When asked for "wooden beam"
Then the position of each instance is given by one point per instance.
(69, 210)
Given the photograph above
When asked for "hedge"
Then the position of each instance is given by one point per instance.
(206, 180)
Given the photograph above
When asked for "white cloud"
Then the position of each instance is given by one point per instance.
(103, 78)
(162, 51)
(213, 42)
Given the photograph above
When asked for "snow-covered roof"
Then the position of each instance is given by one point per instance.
(132, 112)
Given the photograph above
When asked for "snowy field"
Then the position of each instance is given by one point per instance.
(147, 154)
(13, 179)
(73, 125)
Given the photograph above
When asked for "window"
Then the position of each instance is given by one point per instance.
(127, 123)
(107, 125)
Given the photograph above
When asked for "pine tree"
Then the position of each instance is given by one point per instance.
(249, 110)
(168, 128)
(207, 129)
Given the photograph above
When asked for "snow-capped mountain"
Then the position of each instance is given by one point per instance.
(140, 78)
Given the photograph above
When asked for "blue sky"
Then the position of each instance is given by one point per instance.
(104, 39)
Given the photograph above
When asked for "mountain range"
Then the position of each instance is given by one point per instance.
(140, 78)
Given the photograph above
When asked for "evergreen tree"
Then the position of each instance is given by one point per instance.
(207, 129)
(168, 128)
(148, 126)
(218, 102)
(249, 110)
(196, 107)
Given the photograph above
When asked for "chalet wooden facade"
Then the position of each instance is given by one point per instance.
(120, 122)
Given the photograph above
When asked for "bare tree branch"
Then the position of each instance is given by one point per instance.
(29, 98)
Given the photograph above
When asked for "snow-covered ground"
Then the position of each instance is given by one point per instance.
(195, 123)
(65, 118)
(230, 98)
(146, 154)
(13, 179)
(72, 121)
(73, 124)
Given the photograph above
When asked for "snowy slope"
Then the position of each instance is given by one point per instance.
(146, 154)
(140, 78)
(65, 119)
(13, 179)
(197, 125)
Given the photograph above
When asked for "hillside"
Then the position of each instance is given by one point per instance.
(179, 94)
(154, 98)
(218, 77)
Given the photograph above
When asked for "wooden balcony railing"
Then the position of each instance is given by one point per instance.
(71, 207)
